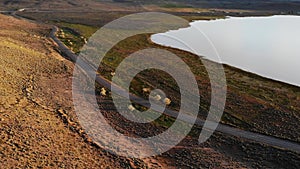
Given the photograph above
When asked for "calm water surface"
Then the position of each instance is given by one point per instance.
(267, 46)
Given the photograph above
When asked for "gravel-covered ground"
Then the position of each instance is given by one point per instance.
(39, 129)
(35, 83)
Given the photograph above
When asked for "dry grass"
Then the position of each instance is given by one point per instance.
(35, 82)
(251, 99)
(39, 128)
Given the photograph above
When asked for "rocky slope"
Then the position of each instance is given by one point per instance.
(35, 99)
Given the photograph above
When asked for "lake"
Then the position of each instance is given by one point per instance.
(267, 46)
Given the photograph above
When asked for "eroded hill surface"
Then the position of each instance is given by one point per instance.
(38, 126)
(35, 99)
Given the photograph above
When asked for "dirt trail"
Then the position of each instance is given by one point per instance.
(35, 85)
(60, 106)
(260, 138)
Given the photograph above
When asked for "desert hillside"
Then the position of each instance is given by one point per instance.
(36, 113)
(39, 128)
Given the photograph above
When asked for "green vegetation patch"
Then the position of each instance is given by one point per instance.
(84, 30)
(250, 98)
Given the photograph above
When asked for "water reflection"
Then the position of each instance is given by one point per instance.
(268, 46)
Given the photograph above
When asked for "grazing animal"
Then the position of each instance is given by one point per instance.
(146, 90)
(167, 101)
(103, 92)
(157, 97)
(131, 108)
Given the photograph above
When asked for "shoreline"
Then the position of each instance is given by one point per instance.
(223, 128)
(224, 63)
(274, 104)
(67, 52)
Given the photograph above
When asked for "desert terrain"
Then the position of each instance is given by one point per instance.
(38, 125)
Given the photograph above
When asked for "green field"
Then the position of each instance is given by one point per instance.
(250, 98)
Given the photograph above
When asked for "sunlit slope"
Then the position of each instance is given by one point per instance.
(36, 107)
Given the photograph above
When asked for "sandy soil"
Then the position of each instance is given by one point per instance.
(35, 97)
(38, 127)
